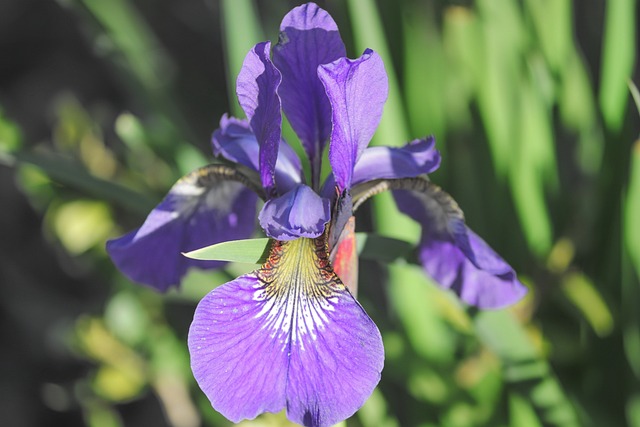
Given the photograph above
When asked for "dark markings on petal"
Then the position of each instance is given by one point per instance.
(298, 261)
(210, 175)
(442, 206)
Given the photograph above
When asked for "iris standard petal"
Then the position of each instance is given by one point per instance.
(416, 158)
(298, 213)
(357, 90)
(289, 335)
(234, 141)
(309, 37)
(455, 256)
(257, 87)
(199, 210)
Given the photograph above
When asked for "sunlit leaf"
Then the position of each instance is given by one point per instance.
(618, 56)
(524, 367)
(252, 251)
(75, 176)
(588, 300)
(238, 14)
(631, 264)
(10, 135)
(368, 32)
(81, 224)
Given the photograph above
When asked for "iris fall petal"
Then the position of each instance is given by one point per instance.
(454, 256)
(289, 335)
(194, 214)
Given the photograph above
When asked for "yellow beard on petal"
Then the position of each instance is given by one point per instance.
(298, 286)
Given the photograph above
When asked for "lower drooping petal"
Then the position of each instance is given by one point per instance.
(448, 265)
(453, 255)
(289, 335)
(298, 213)
(200, 209)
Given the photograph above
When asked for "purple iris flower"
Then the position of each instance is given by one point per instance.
(290, 335)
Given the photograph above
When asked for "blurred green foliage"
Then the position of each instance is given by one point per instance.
(530, 105)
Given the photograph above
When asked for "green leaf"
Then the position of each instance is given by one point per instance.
(368, 32)
(525, 369)
(618, 56)
(241, 31)
(76, 176)
(253, 251)
(256, 251)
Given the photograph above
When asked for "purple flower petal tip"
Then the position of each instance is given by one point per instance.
(446, 263)
(287, 336)
(454, 256)
(298, 213)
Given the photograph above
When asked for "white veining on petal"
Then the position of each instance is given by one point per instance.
(297, 288)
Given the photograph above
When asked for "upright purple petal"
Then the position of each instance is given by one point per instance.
(289, 335)
(298, 213)
(235, 142)
(191, 216)
(257, 87)
(309, 37)
(454, 256)
(357, 91)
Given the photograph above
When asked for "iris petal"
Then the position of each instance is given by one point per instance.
(201, 209)
(235, 142)
(415, 158)
(298, 213)
(309, 37)
(357, 91)
(257, 87)
(453, 255)
(289, 335)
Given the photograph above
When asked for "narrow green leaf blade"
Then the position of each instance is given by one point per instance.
(618, 56)
(252, 251)
(241, 30)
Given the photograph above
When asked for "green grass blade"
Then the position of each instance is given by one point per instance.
(525, 370)
(531, 167)
(631, 264)
(241, 30)
(368, 32)
(618, 58)
(76, 176)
